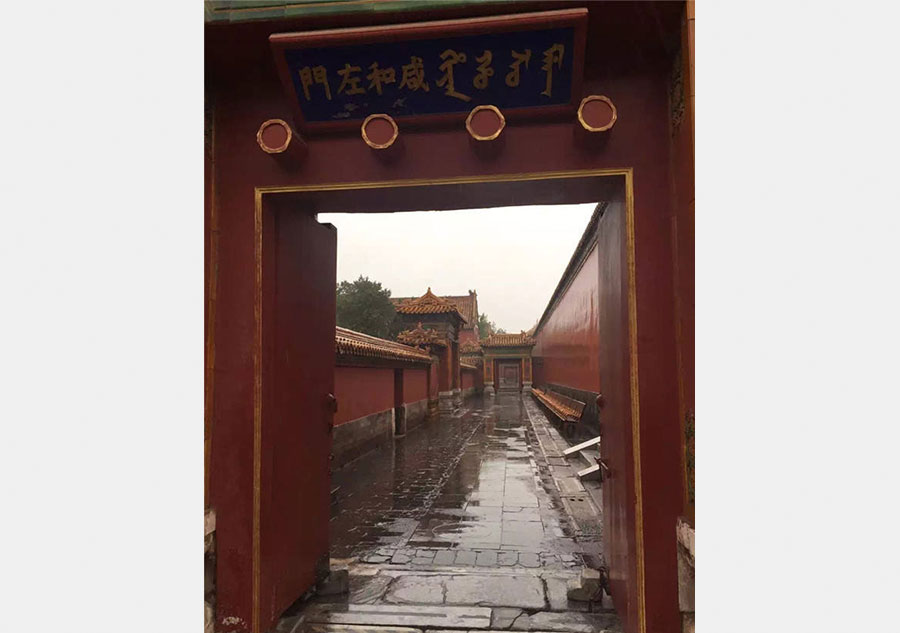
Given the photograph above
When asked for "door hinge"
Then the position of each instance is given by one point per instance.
(332, 407)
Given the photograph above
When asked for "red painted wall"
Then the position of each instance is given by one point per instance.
(569, 341)
(628, 58)
(435, 380)
(682, 169)
(537, 370)
(414, 385)
(467, 336)
(361, 391)
(469, 378)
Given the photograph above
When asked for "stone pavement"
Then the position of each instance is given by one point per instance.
(462, 524)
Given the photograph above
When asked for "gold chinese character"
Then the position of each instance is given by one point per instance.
(414, 75)
(451, 58)
(317, 75)
(551, 55)
(347, 79)
(380, 76)
(512, 77)
(484, 70)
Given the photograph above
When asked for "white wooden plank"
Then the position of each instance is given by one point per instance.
(582, 446)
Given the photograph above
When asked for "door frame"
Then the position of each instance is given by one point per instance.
(517, 365)
(265, 192)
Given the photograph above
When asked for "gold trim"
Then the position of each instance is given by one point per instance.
(257, 407)
(628, 173)
(490, 137)
(587, 126)
(370, 142)
(635, 402)
(456, 180)
(290, 5)
(274, 150)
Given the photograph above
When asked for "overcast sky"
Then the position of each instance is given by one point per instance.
(512, 256)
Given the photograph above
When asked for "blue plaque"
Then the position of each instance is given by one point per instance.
(522, 64)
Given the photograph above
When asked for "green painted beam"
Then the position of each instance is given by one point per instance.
(254, 10)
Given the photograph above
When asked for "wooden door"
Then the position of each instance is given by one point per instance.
(293, 485)
(509, 376)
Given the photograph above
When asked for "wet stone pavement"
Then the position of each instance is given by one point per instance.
(461, 525)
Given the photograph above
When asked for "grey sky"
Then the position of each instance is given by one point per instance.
(512, 256)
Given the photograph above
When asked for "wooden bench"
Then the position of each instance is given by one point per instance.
(565, 408)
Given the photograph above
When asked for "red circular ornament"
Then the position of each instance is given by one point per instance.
(597, 113)
(379, 131)
(485, 123)
(274, 136)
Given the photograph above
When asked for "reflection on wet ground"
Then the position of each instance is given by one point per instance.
(460, 525)
(463, 489)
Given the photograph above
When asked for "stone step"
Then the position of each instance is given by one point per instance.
(415, 616)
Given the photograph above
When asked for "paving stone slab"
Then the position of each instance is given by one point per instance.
(466, 557)
(570, 486)
(532, 517)
(306, 627)
(445, 557)
(526, 592)
(400, 559)
(503, 617)
(568, 622)
(556, 594)
(417, 590)
(367, 589)
(417, 616)
(376, 558)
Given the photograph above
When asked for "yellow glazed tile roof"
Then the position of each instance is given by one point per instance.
(507, 340)
(470, 347)
(467, 306)
(429, 303)
(351, 343)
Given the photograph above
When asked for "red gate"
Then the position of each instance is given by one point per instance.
(296, 258)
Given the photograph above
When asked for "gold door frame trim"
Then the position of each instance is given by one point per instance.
(257, 405)
(635, 401)
(259, 192)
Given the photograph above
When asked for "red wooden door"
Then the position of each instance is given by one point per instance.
(623, 550)
(298, 316)
(509, 376)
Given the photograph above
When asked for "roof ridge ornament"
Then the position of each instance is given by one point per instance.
(352, 343)
(430, 303)
(422, 337)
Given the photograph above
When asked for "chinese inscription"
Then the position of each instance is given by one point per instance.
(397, 77)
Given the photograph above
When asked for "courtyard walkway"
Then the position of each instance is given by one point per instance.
(462, 525)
